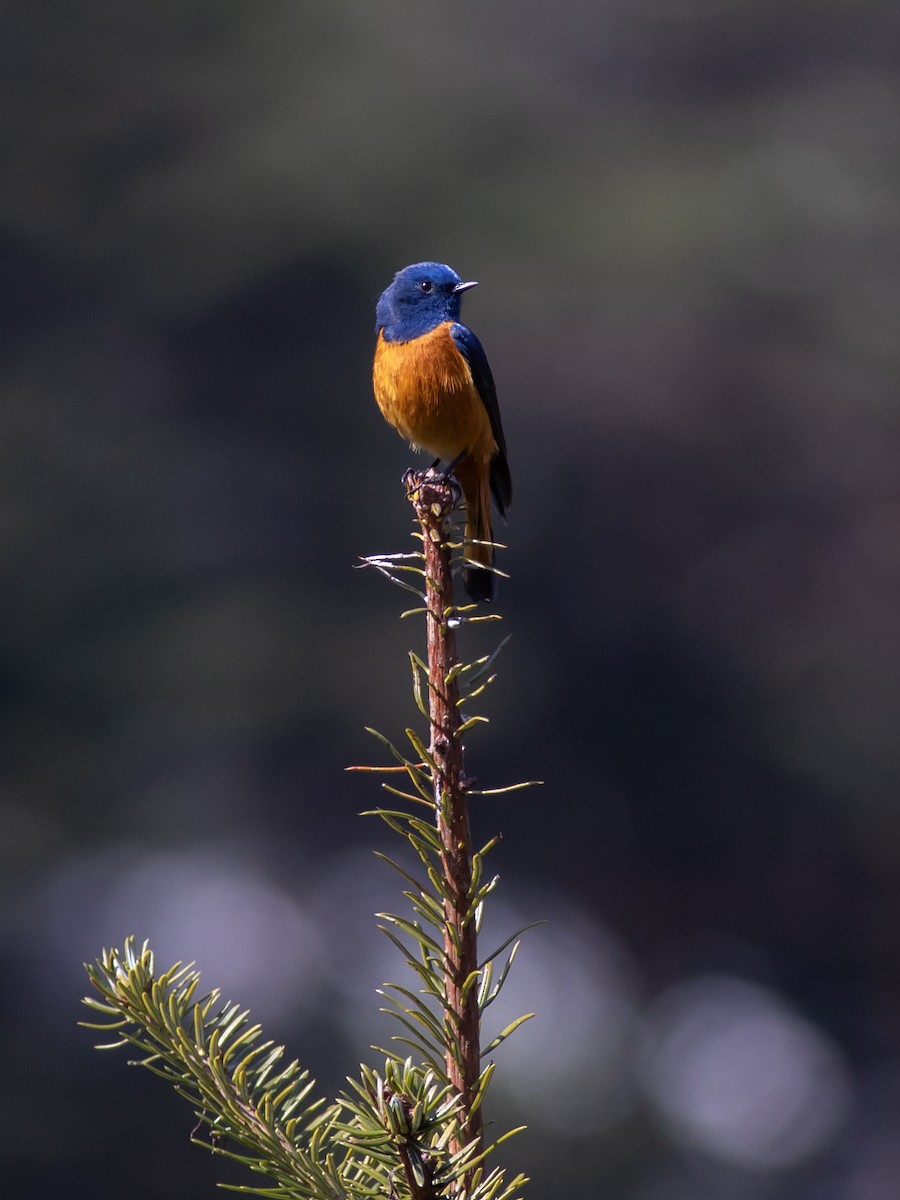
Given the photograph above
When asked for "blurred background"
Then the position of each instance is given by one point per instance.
(685, 223)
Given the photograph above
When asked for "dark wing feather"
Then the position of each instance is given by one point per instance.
(473, 352)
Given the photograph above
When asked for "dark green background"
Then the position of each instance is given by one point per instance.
(685, 221)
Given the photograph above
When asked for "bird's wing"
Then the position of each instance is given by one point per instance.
(473, 352)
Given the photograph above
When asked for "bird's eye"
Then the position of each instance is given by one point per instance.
(426, 285)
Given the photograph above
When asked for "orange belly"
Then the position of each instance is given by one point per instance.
(424, 388)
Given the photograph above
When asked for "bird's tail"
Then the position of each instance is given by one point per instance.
(474, 479)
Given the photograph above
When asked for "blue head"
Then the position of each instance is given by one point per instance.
(420, 298)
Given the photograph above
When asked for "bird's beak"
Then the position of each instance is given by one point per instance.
(464, 287)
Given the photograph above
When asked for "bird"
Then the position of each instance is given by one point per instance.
(433, 384)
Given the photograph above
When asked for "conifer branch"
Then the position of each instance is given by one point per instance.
(434, 498)
(413, 1130)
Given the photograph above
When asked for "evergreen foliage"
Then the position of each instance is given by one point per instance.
(413, 1128)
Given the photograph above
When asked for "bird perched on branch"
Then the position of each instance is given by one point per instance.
(434, 385)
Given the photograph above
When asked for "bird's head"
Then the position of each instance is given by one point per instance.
(419, 298)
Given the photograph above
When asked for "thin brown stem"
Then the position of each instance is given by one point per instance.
(434, 498)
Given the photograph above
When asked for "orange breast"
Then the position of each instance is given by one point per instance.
(424, 388)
